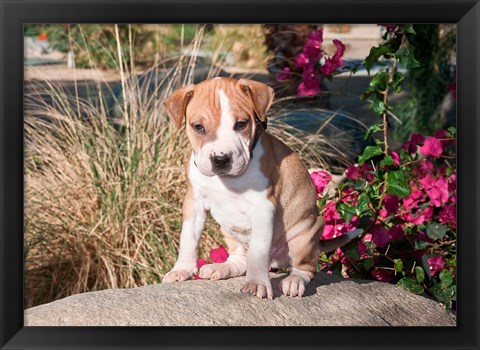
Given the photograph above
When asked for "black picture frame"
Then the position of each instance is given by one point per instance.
(14, 13)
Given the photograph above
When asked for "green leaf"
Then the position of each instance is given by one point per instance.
(436, 230)
(410, 285)
(387, 161)
(454, 297)
(321, 202)
(346, 211)
(358, 184)
(379, 107)
(420, 245)
(368, 264)
(375, 54)
(354, 253)
(408, 28)
(362, 204)
(397, 81)
(446, 277)
(452, 131)
(372, 129)
(397, 185)
(369, 152)
(444, 295)
(406, 58)
(379, 81)
(419, 274)
(398, 265)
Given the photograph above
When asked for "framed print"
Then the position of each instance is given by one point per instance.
(237, 174)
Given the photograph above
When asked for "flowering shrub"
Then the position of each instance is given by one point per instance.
(404, 200)
(312, 63)
(410, 230)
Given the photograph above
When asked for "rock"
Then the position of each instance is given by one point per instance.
(328, 301)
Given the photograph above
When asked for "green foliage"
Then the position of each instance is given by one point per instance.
(428, 56)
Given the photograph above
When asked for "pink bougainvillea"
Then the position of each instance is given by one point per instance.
(321, 179)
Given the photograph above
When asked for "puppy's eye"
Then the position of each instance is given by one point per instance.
(241, 124)
(198, 128)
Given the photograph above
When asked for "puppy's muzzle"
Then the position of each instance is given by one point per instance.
(222, 162)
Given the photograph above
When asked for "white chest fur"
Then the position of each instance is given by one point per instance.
(234, 202)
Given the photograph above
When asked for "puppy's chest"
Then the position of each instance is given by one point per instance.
(235, 204)
(232, 212)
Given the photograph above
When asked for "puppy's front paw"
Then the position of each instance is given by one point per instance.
(215, 271)
(260, 289)
(177, 275)
(293, 285)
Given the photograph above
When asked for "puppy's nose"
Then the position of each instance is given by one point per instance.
(221, 162)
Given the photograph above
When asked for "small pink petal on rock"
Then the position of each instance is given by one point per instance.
(219, 255)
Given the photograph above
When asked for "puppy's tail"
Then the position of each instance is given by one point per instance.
(327, 245)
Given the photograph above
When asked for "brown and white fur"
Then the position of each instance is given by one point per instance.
(263, 198)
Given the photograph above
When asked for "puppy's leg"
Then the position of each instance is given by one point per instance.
(194, 217)
(236, 264)
(258, 256)
(303, 250)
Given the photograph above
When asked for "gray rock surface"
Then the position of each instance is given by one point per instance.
(328, 301)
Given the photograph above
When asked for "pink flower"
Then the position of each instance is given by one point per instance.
(321, 179)
(219, 255)
(312, 48)
(382, 275)
(330, 212)
(315, 38)
(303, 61)
(423, 168)
(310, 85)
(428, 213)
(443, 137)
(304, 90)
(393, 28)
(436, 264)
(328, 67)
(452, 182)
(437, 189)
(411, 146)
(432, 147)
(200, 263)
(396, 158)
(362, 248)
(285, 74)
(352, 172)
(391, 203)
(448, 215)
(416, 220)
(337, 56)
(411, 202)
(380, 236)
(331, 64)
(396, 233)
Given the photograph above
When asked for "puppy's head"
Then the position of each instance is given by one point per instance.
(220, 121)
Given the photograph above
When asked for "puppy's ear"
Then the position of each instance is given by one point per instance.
(260, 94)
(176, 104)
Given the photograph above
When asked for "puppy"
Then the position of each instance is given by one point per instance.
(255, 187)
